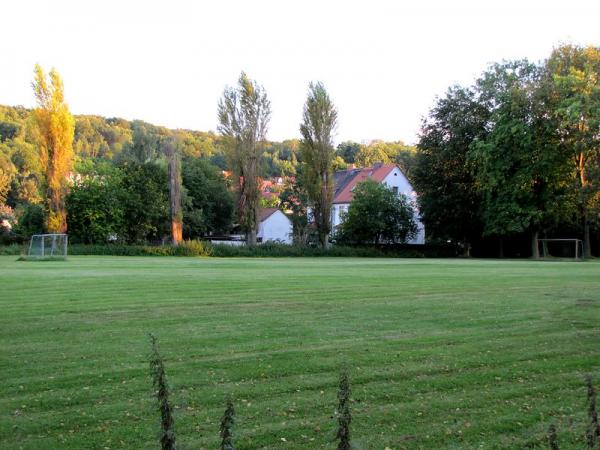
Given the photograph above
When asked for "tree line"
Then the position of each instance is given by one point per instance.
(113, 179)
(516, 153)
(133, 182)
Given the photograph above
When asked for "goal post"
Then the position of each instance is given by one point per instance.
(561, 248)
(48, 246)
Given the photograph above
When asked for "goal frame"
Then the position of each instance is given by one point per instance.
(44, 254)
(578, 243)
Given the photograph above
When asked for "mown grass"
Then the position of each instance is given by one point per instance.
(441, 353)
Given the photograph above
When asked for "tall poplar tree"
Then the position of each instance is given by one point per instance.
(317, 128)
(244, 114)
(54, 128)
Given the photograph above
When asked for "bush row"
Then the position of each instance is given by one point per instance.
(205, 248)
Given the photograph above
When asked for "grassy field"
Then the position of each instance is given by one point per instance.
(442, 353)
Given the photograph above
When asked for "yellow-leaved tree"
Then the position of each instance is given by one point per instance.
(54, 128)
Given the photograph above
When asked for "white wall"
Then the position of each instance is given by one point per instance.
(276, 227)
(336, 213)
(396, 179)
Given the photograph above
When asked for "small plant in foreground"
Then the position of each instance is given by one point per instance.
(552, 438)
(593, 431)
(344, 414)
(159, 381)
(227, 422)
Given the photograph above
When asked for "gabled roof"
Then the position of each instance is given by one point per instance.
(265, 213)
(346, 180)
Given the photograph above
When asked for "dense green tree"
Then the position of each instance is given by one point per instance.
(208, 204)
(88, 139)
(145, 202)
(9, 130)
(244, 114)
(377, 215)
(449, 200)
(294, 201)
(519, 167)
(317, 128)
(348, 150)
(146, 143)
(375, 152)
(96, 208)
(575, 75)
(30, 220)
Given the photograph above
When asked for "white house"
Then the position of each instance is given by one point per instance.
(388, 174)
(274, 226)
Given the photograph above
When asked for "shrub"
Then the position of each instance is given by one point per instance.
(159, 381)
(552, 438)
(193, 248)
(593, 431)
(344, 414)
(227, 422)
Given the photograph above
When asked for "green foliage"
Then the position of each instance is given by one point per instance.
(449, 200)
(519, 165)
(244, 114)
(95, 209)
(294, 200)
(280, 159)
(226, 431)
(161, 386)
(30, 220)
(319, 121)
(128, 203)
(145, 202)
(9, 130)
(573, 74)
(348, 150)
(208, 203)
(377, 215)
(343, 412)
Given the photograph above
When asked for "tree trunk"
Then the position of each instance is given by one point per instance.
(175, 194)
(587, 242)
(466, 247)
(251, 237)
(535, 251)
(501, 248)
(324, 238)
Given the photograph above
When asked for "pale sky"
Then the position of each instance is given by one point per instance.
(383, 62)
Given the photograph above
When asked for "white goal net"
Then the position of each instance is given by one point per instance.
(561, 248)
(48, 246)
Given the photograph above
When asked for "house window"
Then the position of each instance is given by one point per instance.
(395, 189)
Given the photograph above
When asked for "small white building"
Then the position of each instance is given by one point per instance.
(274, 226)
(389, 175)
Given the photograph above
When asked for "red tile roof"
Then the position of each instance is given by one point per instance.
(348, 179)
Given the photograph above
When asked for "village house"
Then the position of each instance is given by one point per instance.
(274, 226)
(388, 174)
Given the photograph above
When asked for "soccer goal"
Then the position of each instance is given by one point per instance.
(48, 246)
(561, 248)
